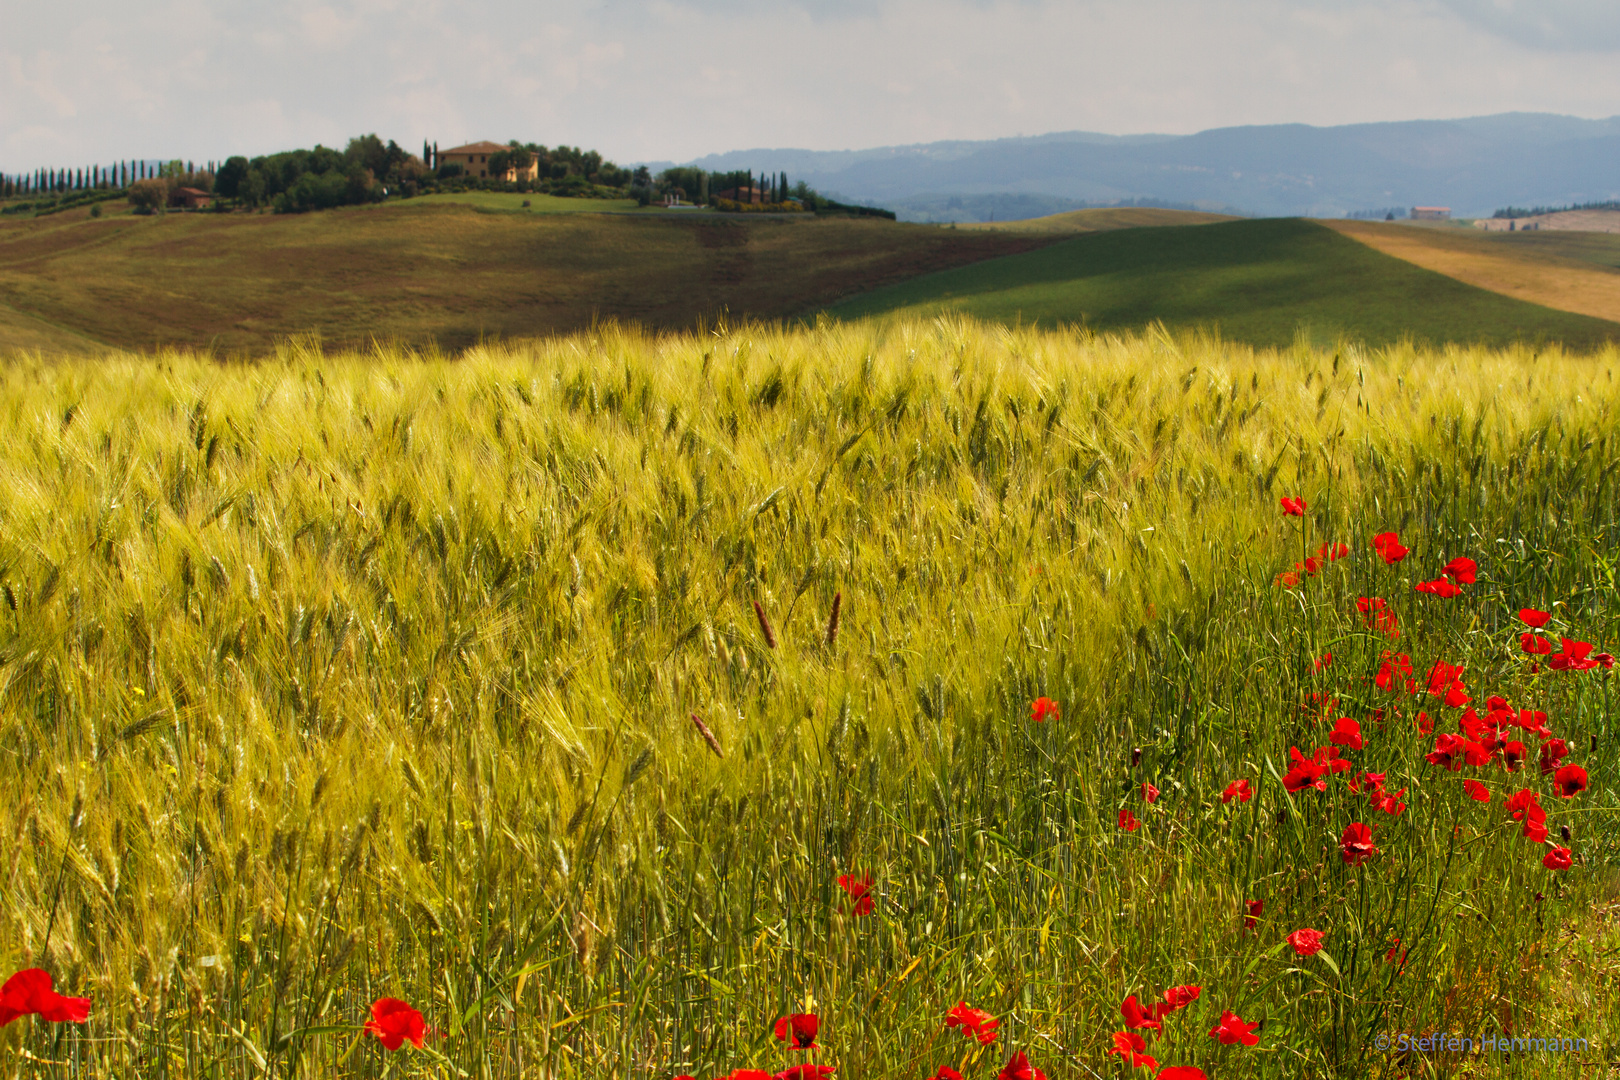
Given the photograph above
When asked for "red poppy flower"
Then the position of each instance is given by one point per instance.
(1389, 957)
(859, 890)
(1232, 1029)
(946, 1073)
(1346, 732)
(747, 1074)
(1519, 802)
(1254, 908)
(1534, 644)
(1287, 579)
(1181, 1072)
(1513, 754)
(1375, 613)
(1552, 752)
(1604, 661)
(1570, 781)
(1304, 774)
(1293, 507)
(29, 991)
(1127, 820)
(1179, 997)
(799, 1030)
(1557, 859)
(1138, 1017)
(1451, 751)
(1150, 793)
(1239, 790)
(1439, 587)
(1395, 673)
(1533, 618)
(1325, 660)
(975, 1022)
(1572, 657)
(805, 1072)
(393, 1022)
(1461, 570)
(1019, 1068)
(1476, 791)
(1389, 548)
(1041, 708)
(1306, 942)
(1526, 805)
(1390, 804)
(1370, 782)
(1356, 844)
(1129, 1045)
(1330, 552)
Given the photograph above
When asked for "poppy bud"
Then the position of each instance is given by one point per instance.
(1539, 898)
(1563, 830)
(1136, 756)
(1282, 817)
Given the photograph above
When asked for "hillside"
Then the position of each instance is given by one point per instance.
(1570, 271)
(1473, 165)
(1075, 222)
(1257, 281)
(448, 273)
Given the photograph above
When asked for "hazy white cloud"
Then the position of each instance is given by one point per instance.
(652, 79)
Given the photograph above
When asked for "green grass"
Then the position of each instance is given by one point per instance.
(350, 675)
(1255, 281)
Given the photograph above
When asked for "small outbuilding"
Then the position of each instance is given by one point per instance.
(1431, 213)
(191, 198)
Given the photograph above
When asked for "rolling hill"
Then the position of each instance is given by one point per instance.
(446, 273)
(1256, 281)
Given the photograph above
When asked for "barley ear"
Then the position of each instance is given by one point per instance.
(764, 626)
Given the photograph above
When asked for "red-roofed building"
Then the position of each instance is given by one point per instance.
(474, 160)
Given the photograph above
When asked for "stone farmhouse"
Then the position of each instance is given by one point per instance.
(474, 160)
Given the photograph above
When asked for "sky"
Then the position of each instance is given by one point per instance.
(88, 81)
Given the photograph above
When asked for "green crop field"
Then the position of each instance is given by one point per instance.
(609, 697)
(1256, 281)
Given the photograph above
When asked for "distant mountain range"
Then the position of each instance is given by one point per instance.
(1473, 166)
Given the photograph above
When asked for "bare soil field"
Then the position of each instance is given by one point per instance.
(1563, 270)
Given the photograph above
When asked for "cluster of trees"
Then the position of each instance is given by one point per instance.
(1519, 211)
(317, 179)
(739, 189)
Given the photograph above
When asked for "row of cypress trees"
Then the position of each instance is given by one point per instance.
(96, 177)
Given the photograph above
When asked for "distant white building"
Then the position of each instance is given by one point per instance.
(1431, 213)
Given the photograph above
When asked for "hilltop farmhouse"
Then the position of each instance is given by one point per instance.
(474, 161)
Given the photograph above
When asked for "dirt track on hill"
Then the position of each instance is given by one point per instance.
(1486, 262)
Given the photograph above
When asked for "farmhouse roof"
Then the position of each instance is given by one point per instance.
(485, 147)
(195, 191)
(1446, 208)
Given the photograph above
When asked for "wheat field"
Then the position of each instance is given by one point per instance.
(339, 676)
